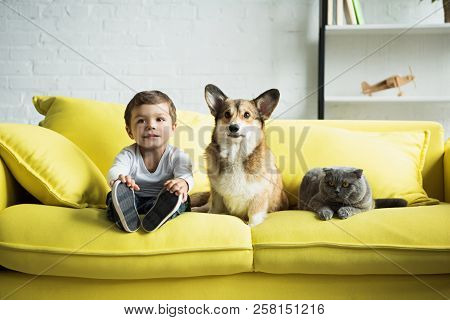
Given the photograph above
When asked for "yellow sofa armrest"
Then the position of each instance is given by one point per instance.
(447, 171)
(9, 188)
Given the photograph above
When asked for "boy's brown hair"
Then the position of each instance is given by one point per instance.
(150, 97)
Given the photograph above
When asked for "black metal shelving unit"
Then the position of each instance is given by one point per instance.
(323, 9)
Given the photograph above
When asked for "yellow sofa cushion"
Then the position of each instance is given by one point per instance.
(392, 161)
(47, 240)
(9, 188)
(447, 170)
(285, 135)
(98, 128)
(412, 240)
(50, 167)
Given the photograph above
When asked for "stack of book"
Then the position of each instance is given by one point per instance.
(342, 12)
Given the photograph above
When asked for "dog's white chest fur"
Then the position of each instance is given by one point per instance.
(230, 152)
(233, 184)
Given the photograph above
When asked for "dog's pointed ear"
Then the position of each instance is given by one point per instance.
(214, 98)
(267, 102)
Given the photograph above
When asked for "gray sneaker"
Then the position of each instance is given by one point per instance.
(165, 206)
(123, 201)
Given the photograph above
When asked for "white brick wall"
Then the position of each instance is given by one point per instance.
(245, 47)
(177, 46)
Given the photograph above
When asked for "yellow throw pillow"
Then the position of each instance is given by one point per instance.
(9, 188)
(51, 168)
(447, 170)
(98, 128)
(392, 161)
(193, 134)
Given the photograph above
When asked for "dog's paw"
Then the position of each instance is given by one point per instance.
(325, 213)
(257, 218)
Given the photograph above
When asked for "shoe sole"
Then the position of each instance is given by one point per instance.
(158, 215)
(123, 200)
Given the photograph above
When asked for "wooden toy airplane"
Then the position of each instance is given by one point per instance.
(388, 83)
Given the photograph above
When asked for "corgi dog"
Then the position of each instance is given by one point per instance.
(244, 179)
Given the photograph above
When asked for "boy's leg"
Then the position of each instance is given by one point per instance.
(144, 204)
(123, 202)
(165, 206)
(184, 207)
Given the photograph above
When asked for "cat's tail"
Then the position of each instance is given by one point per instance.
(390, 203)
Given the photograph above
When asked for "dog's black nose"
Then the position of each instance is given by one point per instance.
(233, 128)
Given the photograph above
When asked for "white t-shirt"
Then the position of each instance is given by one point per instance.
(174, 164)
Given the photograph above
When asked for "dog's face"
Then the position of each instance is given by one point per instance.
(238, 120)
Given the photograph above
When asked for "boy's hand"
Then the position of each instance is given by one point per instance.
(177, 186)
(128, 180)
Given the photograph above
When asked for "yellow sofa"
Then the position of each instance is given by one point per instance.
(60, 248)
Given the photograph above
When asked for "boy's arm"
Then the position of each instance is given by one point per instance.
(121, 165)
(182, 168)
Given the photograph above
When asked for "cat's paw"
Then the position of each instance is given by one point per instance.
(345, 212)
(325, 213)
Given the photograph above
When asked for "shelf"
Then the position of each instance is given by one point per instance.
(375, 99)
(387, 29)
(347, 43)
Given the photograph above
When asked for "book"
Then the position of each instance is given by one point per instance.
(339, 12)
(350, 12)
(330, 12)
(358, 11)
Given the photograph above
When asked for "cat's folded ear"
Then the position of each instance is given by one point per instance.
(327, 170)
(358, 173)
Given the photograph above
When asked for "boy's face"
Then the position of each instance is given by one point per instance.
(151, 125)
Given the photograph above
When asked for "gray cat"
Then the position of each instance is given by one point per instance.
(339, 190)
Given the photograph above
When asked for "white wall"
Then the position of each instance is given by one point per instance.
(179, 46)
(244, 47)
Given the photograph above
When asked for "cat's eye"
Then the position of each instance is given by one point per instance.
(345, 184)
(227, 114)
(330, 183)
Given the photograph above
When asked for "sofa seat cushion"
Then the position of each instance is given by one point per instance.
(412, 240)
(45, 240)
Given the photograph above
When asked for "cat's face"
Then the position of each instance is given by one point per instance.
(344, 185)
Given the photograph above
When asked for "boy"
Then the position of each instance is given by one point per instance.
(149, 177)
